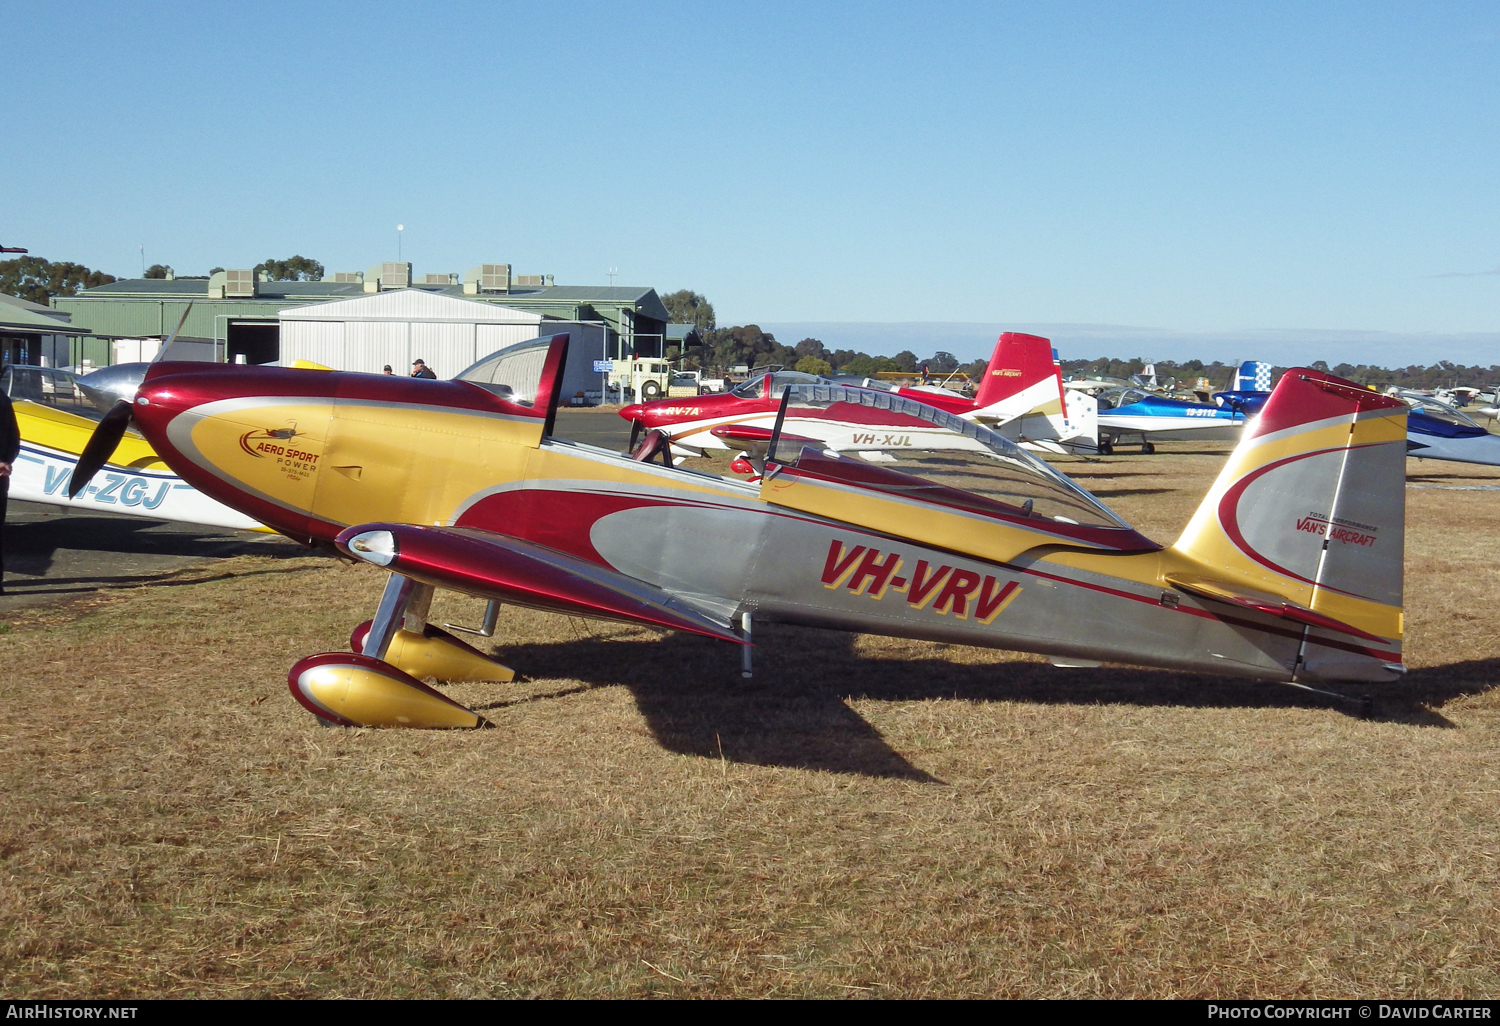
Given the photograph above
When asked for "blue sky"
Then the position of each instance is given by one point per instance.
(1207, 168)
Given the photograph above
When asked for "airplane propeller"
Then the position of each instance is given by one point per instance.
(106, 437)
(101, 446)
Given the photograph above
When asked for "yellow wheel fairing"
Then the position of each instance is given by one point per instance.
(365, 692)
(422, 656)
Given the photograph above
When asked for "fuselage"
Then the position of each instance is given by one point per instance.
(1128, 412)
(818, 541)
(1037, 416)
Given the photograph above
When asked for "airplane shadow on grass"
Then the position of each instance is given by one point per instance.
(794, 712)
(32, 549)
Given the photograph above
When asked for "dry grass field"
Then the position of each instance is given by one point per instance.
(871, 818)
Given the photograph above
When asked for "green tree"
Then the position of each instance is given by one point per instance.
(811, 347)
(942, 363)
(744, 344)
(297, 268)
(862, 365)
(906, 361)
(813, 365)
(157, 271)
(38, 280)
(687, 307)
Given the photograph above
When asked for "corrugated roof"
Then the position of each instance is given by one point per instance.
(644, 300)
(19, 318)
(410, 304)
(26, 304)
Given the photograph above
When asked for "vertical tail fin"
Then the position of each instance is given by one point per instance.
(1253, 376)
(1311, 507)
(1021, 377)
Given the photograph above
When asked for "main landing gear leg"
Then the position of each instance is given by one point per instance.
(420, 648)
(390, 614)
(487, 629)
(747, 669)
(369, 688)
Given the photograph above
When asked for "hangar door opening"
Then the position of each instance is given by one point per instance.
(257, 341)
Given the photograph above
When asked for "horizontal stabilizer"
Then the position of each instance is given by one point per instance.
(522, 573)
(1262, 602)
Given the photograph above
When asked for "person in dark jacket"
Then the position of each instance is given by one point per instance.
(419, 370)
(10, 447)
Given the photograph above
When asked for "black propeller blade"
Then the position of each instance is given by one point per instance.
(101, 446)
(106, 437)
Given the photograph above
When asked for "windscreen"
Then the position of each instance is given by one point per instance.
(755, 388)
(900, 446)
(513, 373)
(47, 386)
(1444, 412)
(1114, 398)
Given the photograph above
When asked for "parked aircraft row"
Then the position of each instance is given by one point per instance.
(858, 508)
(1282, 575)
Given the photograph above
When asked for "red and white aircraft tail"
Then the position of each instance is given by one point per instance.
(1022, 396)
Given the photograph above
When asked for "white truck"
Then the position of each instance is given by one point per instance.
(643, 379)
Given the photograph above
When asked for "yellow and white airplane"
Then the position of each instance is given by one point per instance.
(55, 426)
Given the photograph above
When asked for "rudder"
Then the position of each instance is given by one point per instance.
(1022, 376)
(1311, 506)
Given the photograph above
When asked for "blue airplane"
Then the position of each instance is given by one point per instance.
(1248, 390)
(1437, 431)
(1133, 412)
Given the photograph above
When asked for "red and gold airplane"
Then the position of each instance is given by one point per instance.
(1291, 569)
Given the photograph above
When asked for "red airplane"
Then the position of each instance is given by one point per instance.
(1021, 398)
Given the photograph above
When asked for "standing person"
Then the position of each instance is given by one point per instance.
(10, 446)
(419, 370)
(387, 370)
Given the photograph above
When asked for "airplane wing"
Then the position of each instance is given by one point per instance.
(521, 573)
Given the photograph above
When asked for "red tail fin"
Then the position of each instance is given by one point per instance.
(1019, 362)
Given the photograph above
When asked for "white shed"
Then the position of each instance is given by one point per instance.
(399, 326)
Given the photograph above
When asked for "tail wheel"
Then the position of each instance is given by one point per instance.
(650, 390)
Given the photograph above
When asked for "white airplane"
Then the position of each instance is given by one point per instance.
(1021, 398)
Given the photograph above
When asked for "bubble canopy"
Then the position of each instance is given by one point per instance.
(888, 443)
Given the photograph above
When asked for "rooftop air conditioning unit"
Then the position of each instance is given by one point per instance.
(494, 277)
(239, 284)
(437, 279)
(349, 277)
(395, 276)
(532, 280)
